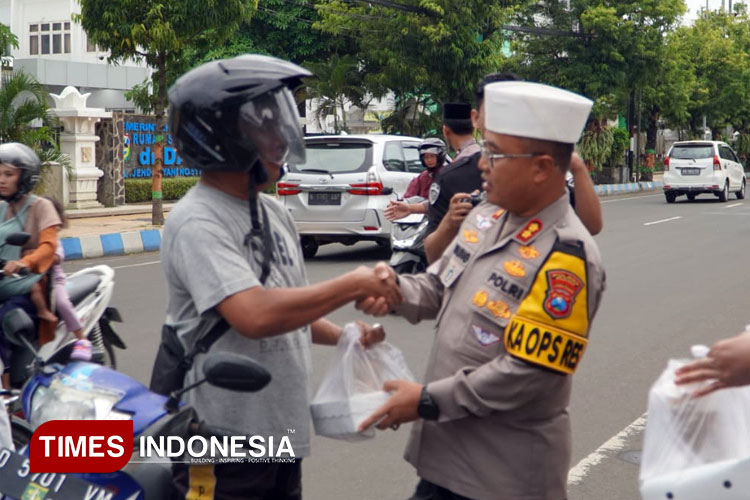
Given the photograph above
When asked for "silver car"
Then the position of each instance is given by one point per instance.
(339, 194)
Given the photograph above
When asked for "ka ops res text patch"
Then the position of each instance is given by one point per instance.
(551, 325)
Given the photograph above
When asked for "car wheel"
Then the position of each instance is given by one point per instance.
(309, 246)
(724, 194)
(741, 193)
(670, 196)
(691, 196)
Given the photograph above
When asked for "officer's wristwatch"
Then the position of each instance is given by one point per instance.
(427, 408)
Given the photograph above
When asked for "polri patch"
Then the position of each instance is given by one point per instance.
(562, 288)
(434, 192)
(529, 231)
(514, 268)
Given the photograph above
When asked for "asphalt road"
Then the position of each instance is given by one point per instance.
(675, 277)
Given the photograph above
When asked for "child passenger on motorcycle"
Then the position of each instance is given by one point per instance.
(22, 211)
(432, 155)
(64, 307)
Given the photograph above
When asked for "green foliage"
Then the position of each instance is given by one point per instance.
(7, 40)
(436, 47)
(595, 146)
(25, 118)
(620, 144)
(174, 188)
(338, 81)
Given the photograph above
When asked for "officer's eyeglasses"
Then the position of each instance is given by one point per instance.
(502, 156)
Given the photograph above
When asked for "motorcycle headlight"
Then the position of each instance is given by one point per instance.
(64, 402)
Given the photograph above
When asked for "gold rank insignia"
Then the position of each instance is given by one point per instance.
(515, 268)
(498, 214)
(471, 236)
(529, 231)
(480, 298)
(529, 252)
(499, 309)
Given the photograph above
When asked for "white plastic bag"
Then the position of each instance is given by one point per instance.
(694, 445)
(352, 388)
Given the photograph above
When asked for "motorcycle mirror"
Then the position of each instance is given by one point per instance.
(17, 239)
(235, 372)
(18, 328)
(387, 190)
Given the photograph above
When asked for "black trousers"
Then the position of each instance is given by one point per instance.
(238, 481)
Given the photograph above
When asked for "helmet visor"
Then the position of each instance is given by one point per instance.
(270, 123)
(430, 149)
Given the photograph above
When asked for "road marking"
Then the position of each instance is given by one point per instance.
(660, 221)
(138, 265)
(631, 198)
(735, 205)
(605, 451)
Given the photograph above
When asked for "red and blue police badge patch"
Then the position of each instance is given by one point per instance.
(562, 288)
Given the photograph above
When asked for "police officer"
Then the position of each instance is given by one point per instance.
(514, 297)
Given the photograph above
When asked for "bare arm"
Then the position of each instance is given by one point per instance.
(588, 208)
(436, 242)
(265, 312)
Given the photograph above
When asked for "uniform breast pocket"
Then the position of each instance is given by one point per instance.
(482, 339)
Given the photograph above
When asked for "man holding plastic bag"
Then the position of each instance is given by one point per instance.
(514, 296)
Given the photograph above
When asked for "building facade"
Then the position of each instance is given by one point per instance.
(56, 51)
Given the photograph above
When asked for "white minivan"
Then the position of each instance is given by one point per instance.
(694, 167)
(340, 193)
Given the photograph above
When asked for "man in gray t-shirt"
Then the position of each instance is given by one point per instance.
(231, 252)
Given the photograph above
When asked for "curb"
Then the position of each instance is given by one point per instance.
(631, 187)
(107, 245)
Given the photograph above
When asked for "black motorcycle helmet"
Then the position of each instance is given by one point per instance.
(24, 158)
(435, 146)
(229, 114)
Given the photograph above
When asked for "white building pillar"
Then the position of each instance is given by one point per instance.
(78, 141)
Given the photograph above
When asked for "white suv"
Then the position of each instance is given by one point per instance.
(340, 193)
(693, 167)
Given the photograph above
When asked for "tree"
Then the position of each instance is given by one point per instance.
(338, 81)
(7, 40)
(157, 32)
(23, 104)
(439, 48)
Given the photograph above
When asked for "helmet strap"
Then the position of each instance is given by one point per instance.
(259, 235)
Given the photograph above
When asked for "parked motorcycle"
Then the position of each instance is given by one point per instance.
(88, 391)
(407, 241)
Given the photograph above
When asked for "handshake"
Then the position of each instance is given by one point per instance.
(378, 291)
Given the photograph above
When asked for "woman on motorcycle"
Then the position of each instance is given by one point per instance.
(21, 211)
(432, 155)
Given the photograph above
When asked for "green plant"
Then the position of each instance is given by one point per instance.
(620, 143)
(139, 190)
(595, 146)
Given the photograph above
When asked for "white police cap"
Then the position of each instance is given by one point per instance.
(535, 111)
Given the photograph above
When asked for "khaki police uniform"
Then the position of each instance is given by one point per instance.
(514, 299)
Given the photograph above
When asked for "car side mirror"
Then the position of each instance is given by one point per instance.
(387, 190)
(235, 372)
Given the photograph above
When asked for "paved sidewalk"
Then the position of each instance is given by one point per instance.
(127, 229)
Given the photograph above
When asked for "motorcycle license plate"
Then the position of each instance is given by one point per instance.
(324, 198)
(16, 481)
(691, 171)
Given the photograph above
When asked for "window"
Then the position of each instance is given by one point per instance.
(411, 154)
(393, 158)
(49, 38)
(335, 157)
(692, 152)
(92, 47)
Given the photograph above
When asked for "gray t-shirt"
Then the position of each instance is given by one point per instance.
(205, 261)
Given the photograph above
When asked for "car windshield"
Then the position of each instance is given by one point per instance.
(696, 152)
(336, 157)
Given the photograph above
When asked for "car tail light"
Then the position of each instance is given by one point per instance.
(366, 188)
(373, 186)
(717, 163)
(287, 189)
(666, 163)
